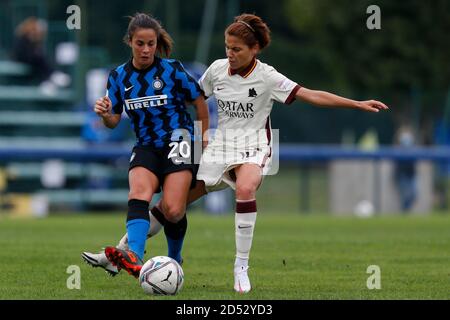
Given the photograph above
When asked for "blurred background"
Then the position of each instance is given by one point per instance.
(55, 156)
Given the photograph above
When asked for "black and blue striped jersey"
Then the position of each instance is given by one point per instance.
(154, 99)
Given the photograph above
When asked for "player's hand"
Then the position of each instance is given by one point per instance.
(372, 106)
(103, 107)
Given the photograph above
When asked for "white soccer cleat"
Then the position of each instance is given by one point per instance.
(241, 280)
(100, 260)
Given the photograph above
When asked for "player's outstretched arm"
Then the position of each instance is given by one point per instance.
(326, 99)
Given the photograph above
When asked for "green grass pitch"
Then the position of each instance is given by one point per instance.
(293, 257)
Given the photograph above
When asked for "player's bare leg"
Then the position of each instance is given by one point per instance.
(197, 192)
(248, 179)
(143, 184)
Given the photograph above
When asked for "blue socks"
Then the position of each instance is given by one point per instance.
(175, 246)
(175, 233)
(138, 224)
(137, 230)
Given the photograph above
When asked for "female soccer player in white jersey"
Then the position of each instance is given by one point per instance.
(238, 157)
(245, 89)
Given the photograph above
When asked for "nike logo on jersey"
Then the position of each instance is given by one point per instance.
(128, 89)
(218, 89)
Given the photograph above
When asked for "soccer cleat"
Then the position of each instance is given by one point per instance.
(124, 259)
(100, 260)
(241, 280)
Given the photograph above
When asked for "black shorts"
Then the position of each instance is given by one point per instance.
(166, 160)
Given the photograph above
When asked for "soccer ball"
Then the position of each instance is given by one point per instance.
(161, 275)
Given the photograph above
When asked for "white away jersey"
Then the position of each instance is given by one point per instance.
(245, 101)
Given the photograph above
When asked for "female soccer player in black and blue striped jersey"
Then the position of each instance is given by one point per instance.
(153, 91)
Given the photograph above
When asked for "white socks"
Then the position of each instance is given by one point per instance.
(245, 220)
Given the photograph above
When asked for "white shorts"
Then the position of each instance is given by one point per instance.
(216, 165)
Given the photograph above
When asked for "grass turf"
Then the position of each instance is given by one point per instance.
(293, 257)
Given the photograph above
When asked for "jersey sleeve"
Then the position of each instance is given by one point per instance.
(113, 93)
(282, 88)
(206, 83)
(189, 86)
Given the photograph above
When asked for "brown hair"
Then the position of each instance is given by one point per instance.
(32, 28)
(145, 21)
(251, 29)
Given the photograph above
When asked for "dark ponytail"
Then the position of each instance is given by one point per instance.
(145, 21)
